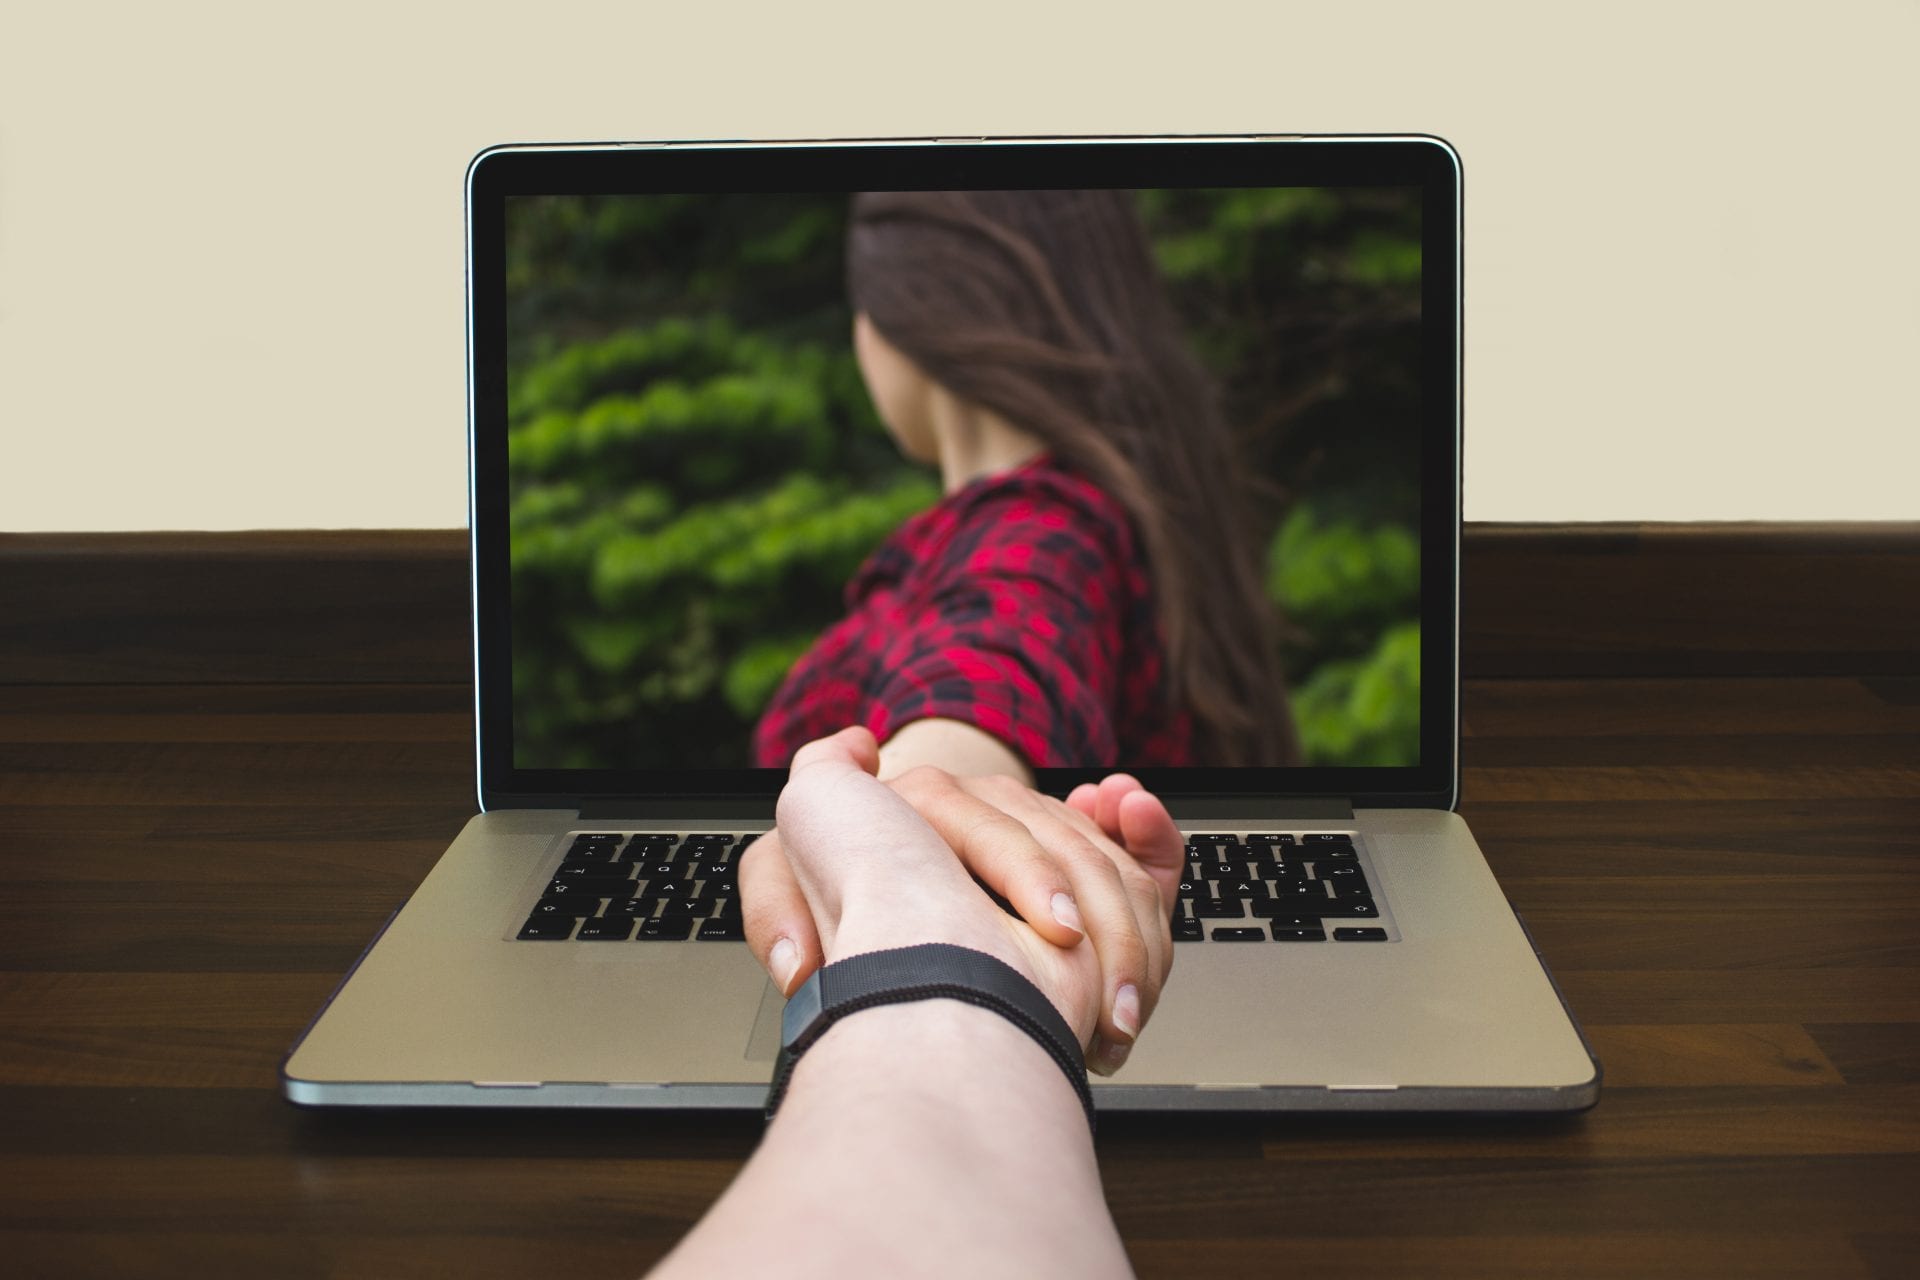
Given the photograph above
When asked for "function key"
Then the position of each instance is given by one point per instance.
(1326, 838)
(539, 928)
(1272, 841)
(1359, 935)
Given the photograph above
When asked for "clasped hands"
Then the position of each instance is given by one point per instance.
(856, 865)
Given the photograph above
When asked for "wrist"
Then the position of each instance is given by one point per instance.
(918, 974)
(965, 1067)
(888, 919)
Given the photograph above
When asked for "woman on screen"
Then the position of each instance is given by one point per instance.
(1086, 593)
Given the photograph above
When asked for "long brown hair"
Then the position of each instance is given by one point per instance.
(1045, 307)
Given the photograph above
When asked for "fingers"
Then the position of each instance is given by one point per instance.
(1124, 917)
(855, 746)
(1135, 819)
(1125, 932)
(779, 926)
(1147, 832)
(999, 850)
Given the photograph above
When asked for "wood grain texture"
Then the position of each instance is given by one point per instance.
(392, 606)
(1724, 874)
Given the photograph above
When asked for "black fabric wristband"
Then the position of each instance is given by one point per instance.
(933, 971)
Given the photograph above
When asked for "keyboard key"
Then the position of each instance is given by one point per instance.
(605, 929)
(1292, 934)
(1219, 908)
(1239, 935)
(721, 931)
(1355, 908)
(589, 886)
(1241, 890)
(1338, 870)
(727, 910)
(1304, 894)
(546, 928)
(571, 907)
(1187, 929)
(1359, 935)
(663, 931)
(1271, 841)
(1331, 838)
(1296, 922)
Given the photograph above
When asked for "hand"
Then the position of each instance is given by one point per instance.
(1055, 862)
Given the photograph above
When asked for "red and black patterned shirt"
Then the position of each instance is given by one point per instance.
(1018, 604)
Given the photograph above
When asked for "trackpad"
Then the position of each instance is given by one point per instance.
(764, 1044)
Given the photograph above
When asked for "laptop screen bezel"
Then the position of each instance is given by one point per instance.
(909, 164)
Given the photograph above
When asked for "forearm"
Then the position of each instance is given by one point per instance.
(961, 749)
(930, 1138)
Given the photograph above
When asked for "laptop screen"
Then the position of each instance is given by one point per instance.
(1121, 475)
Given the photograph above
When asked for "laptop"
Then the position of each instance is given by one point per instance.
(682, 490)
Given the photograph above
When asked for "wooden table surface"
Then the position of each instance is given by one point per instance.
(1723, 874)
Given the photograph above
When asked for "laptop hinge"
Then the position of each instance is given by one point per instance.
(680, 809)
(1183, 808)
(1244, 809)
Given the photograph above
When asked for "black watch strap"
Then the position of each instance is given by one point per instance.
(933, 971)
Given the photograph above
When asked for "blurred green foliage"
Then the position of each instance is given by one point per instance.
(1350, 593)
(696, 471)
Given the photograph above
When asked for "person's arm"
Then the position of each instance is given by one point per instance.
(953, 745)
(932, 1138)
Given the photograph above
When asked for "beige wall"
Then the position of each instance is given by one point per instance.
(230, 273)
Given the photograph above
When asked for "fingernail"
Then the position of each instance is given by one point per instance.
(785, 960)
(1116, 1056)
(1067, 913)
(1126, 1010)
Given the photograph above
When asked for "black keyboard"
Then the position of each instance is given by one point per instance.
(1275, 888)
(652, 887)
(613, 887)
